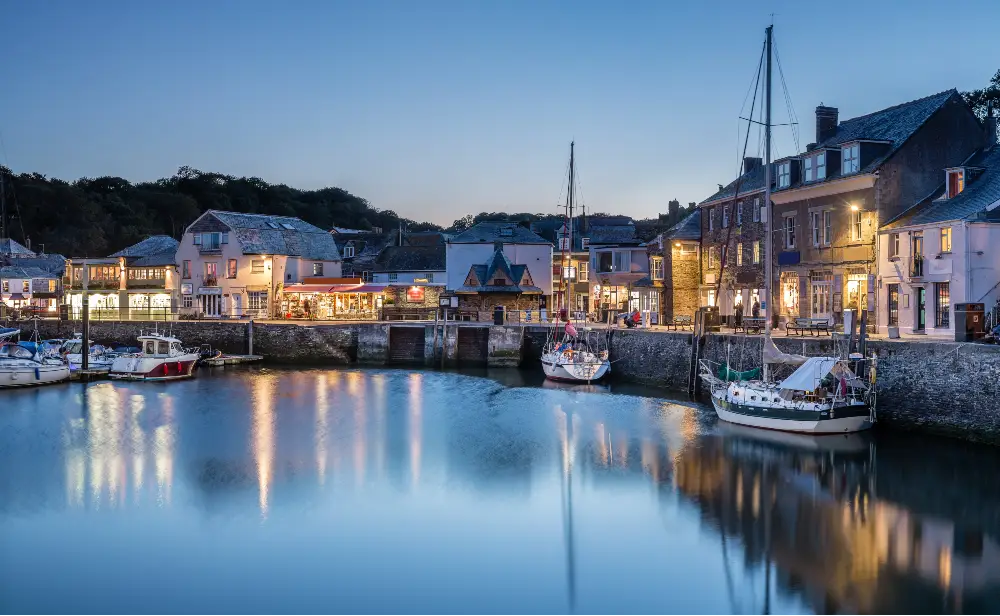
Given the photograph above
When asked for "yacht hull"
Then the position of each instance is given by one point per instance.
(845, 420)
(153, 368)
(569, 372)
(26, 376)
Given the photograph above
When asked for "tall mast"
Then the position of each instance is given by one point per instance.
(3, 207)
(572, 192)
(768, 269)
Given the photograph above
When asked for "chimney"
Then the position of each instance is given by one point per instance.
(991, 127)
(750, 163)
(827, 119)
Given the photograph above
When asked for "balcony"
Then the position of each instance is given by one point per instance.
(210, 249)
(917, 266)
(103, 284)
(149, 283)
(209, 281)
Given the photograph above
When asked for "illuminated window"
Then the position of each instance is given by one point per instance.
(790, 232)
(942, 304)
(946, 239)
(256, 266)
(739, 254)
(856, 225)
(956, 183)
(756, 252)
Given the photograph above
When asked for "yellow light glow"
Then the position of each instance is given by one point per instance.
(677, 244)
(854, 208)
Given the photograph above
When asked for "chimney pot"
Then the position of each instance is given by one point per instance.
(827, 119)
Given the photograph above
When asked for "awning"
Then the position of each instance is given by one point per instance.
(809, 374)
(16, 296)
(308, 288)
(370, 288)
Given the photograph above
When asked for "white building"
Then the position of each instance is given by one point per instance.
(29, 287)
(943, 251)
(234, 264)
(521, 246)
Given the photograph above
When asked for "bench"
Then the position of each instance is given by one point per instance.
(680, 321)
(805, 324)
(751, 325)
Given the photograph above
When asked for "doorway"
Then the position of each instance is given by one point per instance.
(921, 320)
(211, 305)
(237, 305)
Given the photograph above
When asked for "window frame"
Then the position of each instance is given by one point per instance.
(942, 310)
(893, 245)
(945, 239)
(725, 216)
(756, 252)
(348, 251)
(583, 271)
(788, 231)
(756, 209)
(857, 225)
(785, 174)
(317, 268)
(959, 184)
(815, 221)
(850, 158)
(821, 166)
(232, 268)
(739, 214)
(253, 266)
(739, 254)
(892, 304)
(711, 218)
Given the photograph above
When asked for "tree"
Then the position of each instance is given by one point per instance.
(986, 100)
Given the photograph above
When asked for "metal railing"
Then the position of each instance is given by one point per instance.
(917, 266)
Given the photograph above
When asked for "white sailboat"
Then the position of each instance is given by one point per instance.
(824, 395)
(24, 364)
(98, 360)
(567, 356)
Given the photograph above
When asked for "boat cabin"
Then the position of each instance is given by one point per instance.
(160, 346)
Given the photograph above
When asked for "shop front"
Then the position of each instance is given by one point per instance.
(333, 302)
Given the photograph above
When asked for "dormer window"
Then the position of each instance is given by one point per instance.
(348, 251)
(506, 232)
(956, 182)
(814, 167)
(850, 159)
(785, 174)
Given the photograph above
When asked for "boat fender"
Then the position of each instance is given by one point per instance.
(38, 375)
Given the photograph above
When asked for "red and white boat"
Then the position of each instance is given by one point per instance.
(162, 359)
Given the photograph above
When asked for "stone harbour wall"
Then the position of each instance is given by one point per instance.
(933, 387)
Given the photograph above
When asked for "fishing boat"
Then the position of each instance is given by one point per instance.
(161, 358)
(823, 395)
(567, 356)
(23, 364)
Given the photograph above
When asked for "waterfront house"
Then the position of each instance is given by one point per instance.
(733, 227)
(618, 260)
(942, 251)
(522, 267)
(829, 200)
(675, 269)
(570, 263)
(235, 264)
(420, 259)
(359, 251)
(30, 288)
(139, 282)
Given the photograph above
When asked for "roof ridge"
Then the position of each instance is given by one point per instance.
(897, 106)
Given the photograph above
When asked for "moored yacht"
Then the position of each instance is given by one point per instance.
(23, 364)
(161, 358)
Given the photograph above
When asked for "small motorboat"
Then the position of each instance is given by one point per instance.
(24, 364)
(161, 358)
(206, 354)
(99, 359)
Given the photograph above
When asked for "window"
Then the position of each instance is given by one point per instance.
(807, 168)
(196, 239)
(584, 273)
(317, 269)
(348, 251)
(893, 303)
(186, 269)
(956, 182)
(257, 300)
(756, 252)
(212, 241)
(225, 238)
(817, 227)
(856, 225)
(430, 276)
(711, 257)
(104, 273)
(739, 254)
(623, 261)
(393, 277)
(52, 286)
(604, 260)
(688, 249)
(946, 239)
(564, 243)
(789, 232)
(893, 245)
(366, 276)
(26, 286)
(231, 268)
(256, 266)
(187, 301)
(657, 266)
(723, 251)
(725, 216)
(711, 297)
(785, 174)
(756, 209)
(739, 214)
(506, 232)
(711, 219)
(942, 304)
(827, 227)
(821, 285)
(499, 282)
(585, 242)
(211, 270)
(850, 159)
(6, 286)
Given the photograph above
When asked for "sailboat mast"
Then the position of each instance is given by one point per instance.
(3, 207)
(768, 268)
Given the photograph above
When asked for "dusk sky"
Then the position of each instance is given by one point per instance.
(436, 109)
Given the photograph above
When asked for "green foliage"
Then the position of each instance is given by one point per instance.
(94, 217)
(985, 98)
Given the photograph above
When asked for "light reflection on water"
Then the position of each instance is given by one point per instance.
(395, 491)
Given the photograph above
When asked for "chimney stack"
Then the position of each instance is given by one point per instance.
(750, 163)
(991, 127)
(827, 119)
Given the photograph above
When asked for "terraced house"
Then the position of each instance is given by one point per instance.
(235, 265)
(829, 201)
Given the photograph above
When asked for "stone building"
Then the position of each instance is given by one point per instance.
(420, 259)
(498, 282)
(675, 267)
(829, 200)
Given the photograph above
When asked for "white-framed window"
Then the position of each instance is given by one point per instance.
(739, 214)
(785, 174)
(623, 261)
(821, 166)
(711, 219)
(657, 267)
(348, 251)
(850, 159)
(756, 209)
(827, 227)
(945, 239)
(789, 232)
(583, 273)
(366, 276)
(257, 266)
(816, 224)
(187, 301)
(893, 245)
(393, 277)
(585, 242)
(739, 254)
(856, 227)
(688, 249)
(711, 257)
(564, 243)
(807, 168)
(257, 300)
(725, 216)
(317, 269)
(756, 252)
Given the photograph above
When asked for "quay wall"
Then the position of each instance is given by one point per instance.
(933, 387)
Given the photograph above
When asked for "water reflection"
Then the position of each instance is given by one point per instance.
(458, 488)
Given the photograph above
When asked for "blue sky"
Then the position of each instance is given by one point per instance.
(439, 108)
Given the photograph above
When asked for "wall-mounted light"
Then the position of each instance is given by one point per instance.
(854, 208)
(677, 244)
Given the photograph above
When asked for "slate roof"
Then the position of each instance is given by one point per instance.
(411, 259)
(425, 238)
(263, 234)
(9, 247)
(499, 263)
(156, 250)
(54, 264)
(970, 204)
(24, 273)
(616, 234)
(894, 124)
(491, 232)
(549, 229)
(689, 228)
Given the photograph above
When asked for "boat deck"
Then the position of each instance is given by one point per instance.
(227, 360)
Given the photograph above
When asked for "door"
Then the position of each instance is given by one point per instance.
(237, 305)
(211, 305)
(921, 321)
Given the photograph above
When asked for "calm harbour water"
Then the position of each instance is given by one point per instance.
(280, 490)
